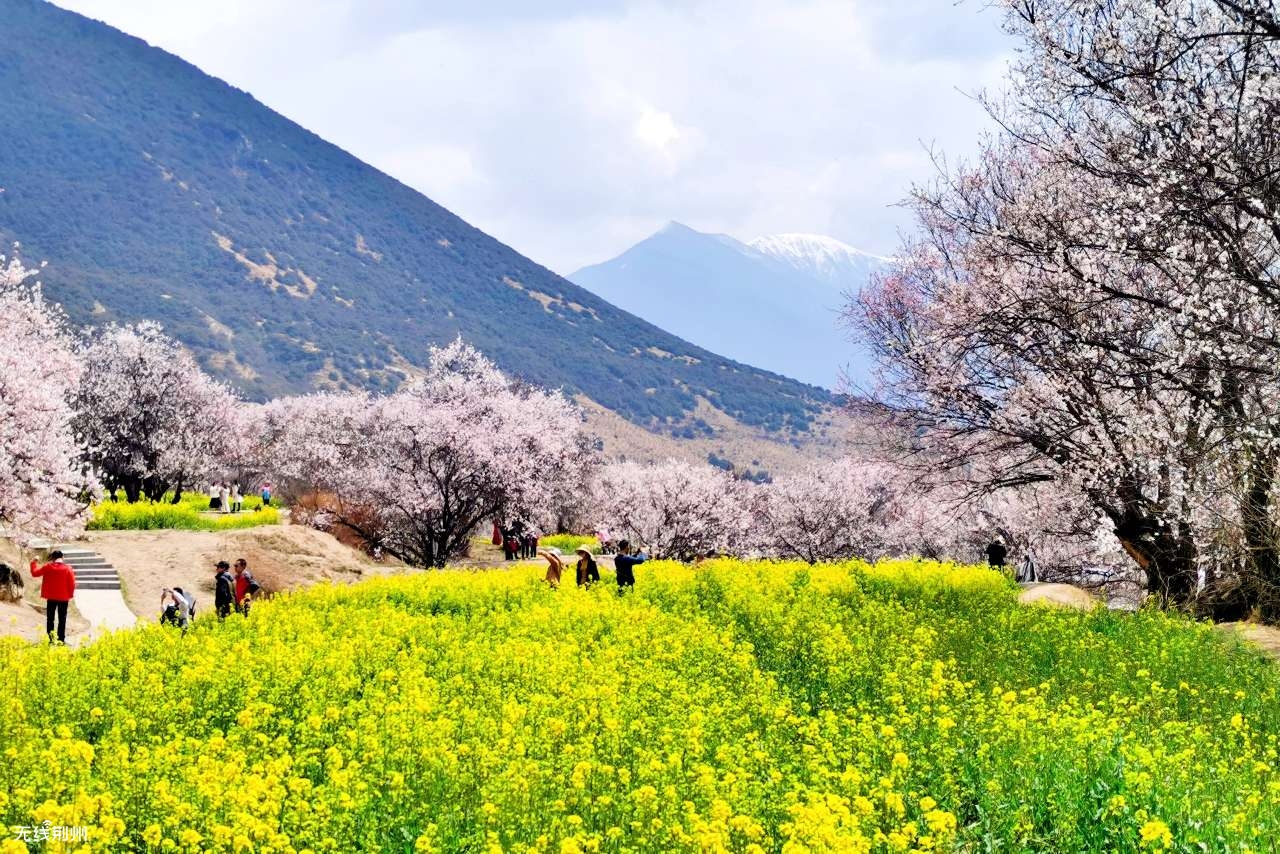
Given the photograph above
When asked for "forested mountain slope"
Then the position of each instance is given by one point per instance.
(284, 263)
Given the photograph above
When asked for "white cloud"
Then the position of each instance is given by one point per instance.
(656, 129)
(571, 129)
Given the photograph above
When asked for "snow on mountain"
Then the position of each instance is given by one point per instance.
(773, 303)
(820, 256)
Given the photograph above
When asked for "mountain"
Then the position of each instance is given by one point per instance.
(823, 258)
(775, 300)
(156, 191)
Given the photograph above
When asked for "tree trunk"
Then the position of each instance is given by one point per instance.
(1261, 584)
(1167, 555)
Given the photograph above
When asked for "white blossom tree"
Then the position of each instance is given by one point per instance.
(674, 509)
(415, 473)
(830, 510)
(151, 420)
(1092, 302)
(44, 488)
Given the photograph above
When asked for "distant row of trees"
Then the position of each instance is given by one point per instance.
(125, 411)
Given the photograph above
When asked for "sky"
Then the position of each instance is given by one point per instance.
(572, 129)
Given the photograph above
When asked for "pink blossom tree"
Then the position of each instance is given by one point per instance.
(1092, 302)
(44, 489)
(415, 473)
(674, 509)
(831, 510)
(150, 418)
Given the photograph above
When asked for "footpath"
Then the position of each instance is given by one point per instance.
(98, 596)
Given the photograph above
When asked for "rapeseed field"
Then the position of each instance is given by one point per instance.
(733, 706)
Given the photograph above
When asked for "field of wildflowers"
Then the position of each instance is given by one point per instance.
(189, 514)
(731, 706)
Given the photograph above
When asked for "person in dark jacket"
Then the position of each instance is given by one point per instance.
(57, 589)
(625, 562)
(997, 553)
(588, 572)
(224, 590)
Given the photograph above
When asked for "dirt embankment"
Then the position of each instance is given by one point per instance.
(281, 557)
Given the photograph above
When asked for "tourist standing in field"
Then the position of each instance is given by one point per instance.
(602, 537)
(266, 495)
(246, 586)
(624, 563)
(997, 553)
(555, 567)
(237, 500)
(224, 590)
(224, 497)
(179, 608)
(215, 497)
(57, 588)
(588, 572)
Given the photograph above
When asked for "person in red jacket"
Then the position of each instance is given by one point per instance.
(57, 589)
(246, 586)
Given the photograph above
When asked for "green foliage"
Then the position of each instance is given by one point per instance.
(189, 514)
(131, 161)
(567, 543)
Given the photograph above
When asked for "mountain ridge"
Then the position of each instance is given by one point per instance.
(778, 297)
(284, 263)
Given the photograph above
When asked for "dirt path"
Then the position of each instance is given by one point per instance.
(1265, 638)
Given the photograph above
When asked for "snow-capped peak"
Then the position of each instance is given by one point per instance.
(819, 255)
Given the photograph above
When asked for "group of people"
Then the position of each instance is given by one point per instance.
(232, 591)
(229, 499)
(1027, 570)
(587, 571)
(518, 541)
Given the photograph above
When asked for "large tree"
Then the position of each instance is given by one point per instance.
(44, 488)
(674, 509)
(415, 473)
(1092, 301)
(829, 510)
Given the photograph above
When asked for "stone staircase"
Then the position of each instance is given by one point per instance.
(92, 570)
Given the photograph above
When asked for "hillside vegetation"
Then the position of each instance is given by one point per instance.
(156, 191)
(732, 706)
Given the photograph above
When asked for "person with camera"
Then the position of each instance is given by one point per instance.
(624, 564)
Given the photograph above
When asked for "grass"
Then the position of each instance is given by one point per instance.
(189, 514)
(567, 543)
(734, 706)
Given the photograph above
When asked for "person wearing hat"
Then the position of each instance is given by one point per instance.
(555, 566)
(224, 590)
(57, 589)
(588, 572)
